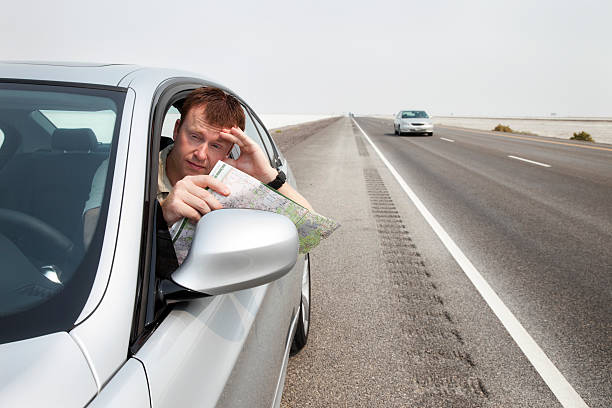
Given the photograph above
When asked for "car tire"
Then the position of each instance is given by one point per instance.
(430, 133)
(394, 130)
(303, 325)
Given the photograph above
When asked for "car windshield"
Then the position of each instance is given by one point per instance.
(414, 114)
(54, 138)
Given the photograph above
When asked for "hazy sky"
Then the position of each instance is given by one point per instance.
(511, 57)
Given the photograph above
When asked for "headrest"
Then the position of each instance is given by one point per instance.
(74, 140)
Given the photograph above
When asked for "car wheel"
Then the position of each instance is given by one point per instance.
(303, 326)
(430, 133)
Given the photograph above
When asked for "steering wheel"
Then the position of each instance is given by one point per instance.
(34, 236)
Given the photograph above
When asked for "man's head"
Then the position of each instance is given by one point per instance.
(197, 144)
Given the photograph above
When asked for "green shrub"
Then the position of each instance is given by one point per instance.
(277, 131)
(582, 136)
(503, 128)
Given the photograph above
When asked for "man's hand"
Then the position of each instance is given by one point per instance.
(252, 160)
(190, 199)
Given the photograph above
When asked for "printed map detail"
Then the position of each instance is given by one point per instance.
(182, 233)
(248, 192)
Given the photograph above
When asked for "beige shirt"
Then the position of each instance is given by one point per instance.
(163, 183)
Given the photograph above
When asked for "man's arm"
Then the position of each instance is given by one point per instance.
(288, 191)
(254, 162)
(190, 199)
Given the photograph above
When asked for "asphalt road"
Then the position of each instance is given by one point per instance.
(396, 322)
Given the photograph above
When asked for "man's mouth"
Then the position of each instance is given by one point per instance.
(195, 166)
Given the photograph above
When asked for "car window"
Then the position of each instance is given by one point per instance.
(169, 120)
(44, 185)
(414, 114)
(265, 137)
(251, 131)
(101, 122)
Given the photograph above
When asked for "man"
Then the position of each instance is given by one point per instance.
(211, 123)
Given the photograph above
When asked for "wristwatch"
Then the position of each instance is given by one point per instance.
(278, 181)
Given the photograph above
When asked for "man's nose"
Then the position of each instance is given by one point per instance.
(202, 152)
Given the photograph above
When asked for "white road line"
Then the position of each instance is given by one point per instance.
(448, 140)
(530, 161)
(565, 393)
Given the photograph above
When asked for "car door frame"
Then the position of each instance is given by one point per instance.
(147, 318)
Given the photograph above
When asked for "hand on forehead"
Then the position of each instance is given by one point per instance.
(213, 132)
(201, 122)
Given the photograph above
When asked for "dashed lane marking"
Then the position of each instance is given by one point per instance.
(503, 134)
(529, 161)
(448, 140)
(558, 384)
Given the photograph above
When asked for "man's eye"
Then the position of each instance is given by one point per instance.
(196, 137)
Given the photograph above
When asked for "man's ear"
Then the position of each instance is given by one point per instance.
(177, 126)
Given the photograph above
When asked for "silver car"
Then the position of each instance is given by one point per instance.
(117, 322)
(412, 121)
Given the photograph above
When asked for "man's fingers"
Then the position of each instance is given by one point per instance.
(181, 209)
(207, 197)
(228, 137)
(203, 182)
(196, 203)
(237, 136)
(191, 213)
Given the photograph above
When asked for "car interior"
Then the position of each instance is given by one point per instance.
(45, 178)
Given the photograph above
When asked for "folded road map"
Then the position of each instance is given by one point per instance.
(248, 192)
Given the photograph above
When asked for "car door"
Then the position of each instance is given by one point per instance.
(225, 350)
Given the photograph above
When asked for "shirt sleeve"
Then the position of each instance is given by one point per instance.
(97, 187)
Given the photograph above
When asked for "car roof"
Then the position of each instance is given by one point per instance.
(86, 73)
(89, 73)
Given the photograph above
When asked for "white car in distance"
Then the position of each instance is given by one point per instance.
(412, 121)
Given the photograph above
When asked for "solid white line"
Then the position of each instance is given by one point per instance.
(565, 393)
(448, 140)
(530, 161)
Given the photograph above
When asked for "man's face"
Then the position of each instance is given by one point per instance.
(197, 144)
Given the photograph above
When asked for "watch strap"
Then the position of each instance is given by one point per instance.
(278, 181)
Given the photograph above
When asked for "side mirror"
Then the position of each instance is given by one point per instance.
(235, 249)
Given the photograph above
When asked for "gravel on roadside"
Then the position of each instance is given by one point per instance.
(287, 137)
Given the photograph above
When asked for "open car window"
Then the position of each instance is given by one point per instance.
(172, 115)
(251, 131)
